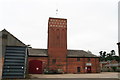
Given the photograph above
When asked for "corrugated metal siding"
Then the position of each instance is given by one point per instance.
(11, 40)
(15, 62)
(0, 54)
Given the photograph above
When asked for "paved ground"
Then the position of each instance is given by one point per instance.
(68, 79)
(95, 75)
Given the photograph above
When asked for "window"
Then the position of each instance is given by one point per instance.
(53, 61)
(88, 59)
(78, 59)
(78, 69)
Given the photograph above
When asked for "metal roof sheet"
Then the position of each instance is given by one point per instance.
(70, 53)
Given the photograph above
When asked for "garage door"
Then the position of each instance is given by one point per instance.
(35, 67)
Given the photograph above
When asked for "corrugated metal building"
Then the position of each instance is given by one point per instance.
(7, 39)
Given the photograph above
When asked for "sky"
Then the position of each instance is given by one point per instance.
(91, 24)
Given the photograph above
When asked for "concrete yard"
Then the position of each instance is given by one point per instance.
(92, 75)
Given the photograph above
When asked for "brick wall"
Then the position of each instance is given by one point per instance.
(72, 65)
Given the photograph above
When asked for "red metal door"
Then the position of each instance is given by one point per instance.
(89, 69)
(35, 67)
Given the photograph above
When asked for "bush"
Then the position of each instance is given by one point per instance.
(114, 68)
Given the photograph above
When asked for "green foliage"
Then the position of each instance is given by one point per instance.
(108, 56)
(114, 68)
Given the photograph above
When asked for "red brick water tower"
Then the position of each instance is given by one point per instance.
(57, 43)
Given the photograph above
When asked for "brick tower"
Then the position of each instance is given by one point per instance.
(57, 43)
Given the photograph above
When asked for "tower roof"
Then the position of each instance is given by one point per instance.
(57, 18)
(57, 22)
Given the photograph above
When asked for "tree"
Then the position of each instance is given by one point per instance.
(102, 55)
(114, 68)
(117, 58)
(112, 52)
(108, 56)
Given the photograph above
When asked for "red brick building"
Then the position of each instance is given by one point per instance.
(57, 57)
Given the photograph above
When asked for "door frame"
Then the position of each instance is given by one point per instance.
(89, 70)
(78, 69)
